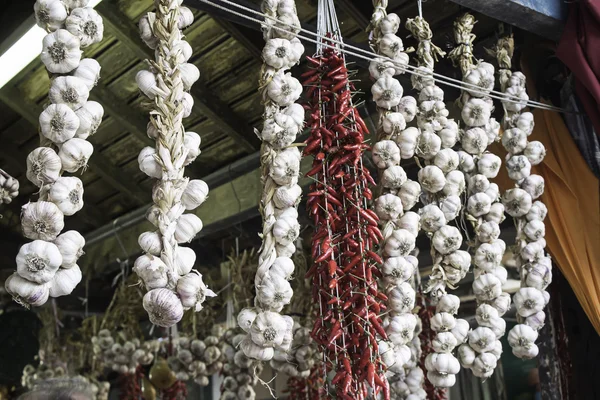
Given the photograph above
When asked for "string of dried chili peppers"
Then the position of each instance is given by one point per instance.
(345, 267)
(309, 388)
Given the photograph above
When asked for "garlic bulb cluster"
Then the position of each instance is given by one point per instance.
(484, 210)
(65, 123)
(301, 357)
(195, 359)
(240, 372)
(123, 357)
(400, 226)
(266, 329)
(166, 267)
(42, 372)
(523, 204)
(9, 187)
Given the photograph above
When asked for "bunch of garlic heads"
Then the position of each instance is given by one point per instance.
(42, 372)
(121, 354)
(166, 268)
(398, 194)
(240, 372)
(301, 357)
(521, 204)
(47, 266)
(442, 184)
(483, 207)
(280, 163)
(194, 358)
(9, 187)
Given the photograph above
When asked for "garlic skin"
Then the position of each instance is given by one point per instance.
(196, 193)
(64, 281)
(58, 123)
(163, 306)
(185, 258)
(284, 89)
(26, 293)
(86, 24)
(192, 291)
(146, 81)
(148, 164)
(61, 53)
(38, 261)
(74, 154)
(67, 194)
(188, 226)
(146, 32)
(387, 92)
(41, 220)
(90, 116)
(152, 271)
(70, 245)
(43, 166)
(189, 75)
(50, 15)
(151, 243)
(69, 90)
(191, 141)
(89, 72)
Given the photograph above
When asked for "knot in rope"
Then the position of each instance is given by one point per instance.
(427, 52)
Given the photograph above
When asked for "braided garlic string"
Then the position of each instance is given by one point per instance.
(267, 330)
(534, 264)
(47, 266)
(166, 267)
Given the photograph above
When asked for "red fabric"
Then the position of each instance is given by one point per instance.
(579, 49)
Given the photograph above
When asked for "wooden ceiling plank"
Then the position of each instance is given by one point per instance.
(98, 163)
(243, 36)
(206, 102)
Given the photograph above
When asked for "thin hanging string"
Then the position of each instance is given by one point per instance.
(369, 56)
(420, 7)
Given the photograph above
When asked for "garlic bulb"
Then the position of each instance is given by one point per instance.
(386, 154)
(479, 204)
(86, 24)
(38, 261)
(400, 243)
(70, 245)
(474, 141)
(67, 194)
(534, 185)
(195, 194)
(41, 220)
(60, 52)
(408, 108)
(146, 81)
(26, 292)
(273, 293)
(447, 160)
(146, 32)
(429, 145)
(284, 89)
(69, 90)
(286, 167)
(245, 318)
(525, 122)
(64, 281)
(432, 178)
(451, 207)
(487, 287)
(407, 142)
(514, 140)
(148, 163)
(287, 196)
(163, 306)
(278, 54)
(151, 243)
(393, 123)
(410, 221)
(50, 15)
(74, 154)
(476, 112)
(88, 71)
(387, 91)
(43, 166)
(447, 239)
(90, 116)
(517, 202)
(58, 123)
(152, 271)
(391, 45)
(185, 258)
(432, 218)
(409, 194)
(192, 291)
(189, 75)
(188, 226)
(529, 301)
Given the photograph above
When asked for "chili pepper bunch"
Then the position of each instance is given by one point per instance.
(310, 388)
(345, 265)
(521, 204)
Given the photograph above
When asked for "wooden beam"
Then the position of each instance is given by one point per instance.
(98, 162)
(204, 100)
(352, 9)
(248, 38)
(545, 18)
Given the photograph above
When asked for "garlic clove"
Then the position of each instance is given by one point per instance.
(64, 281)
(163, 306)
(70, 244)
(25, 292)
(67, 194)
(43, 166)
(151, 242)
(188, 226)
(74, 154)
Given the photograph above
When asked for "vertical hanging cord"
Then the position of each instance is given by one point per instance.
(420, 7)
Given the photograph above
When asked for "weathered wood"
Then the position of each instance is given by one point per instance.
(542, 17)
(250, 39)
(209, 105)
(98, 163)
(354, 11)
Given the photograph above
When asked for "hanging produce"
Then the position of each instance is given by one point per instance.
(398, 195)
(521, 203)
(348, 327)
(9, 187)
(283, 119)
(443, 184)
(240, 372)
(46, 267)
(166, 267)
(483, 208)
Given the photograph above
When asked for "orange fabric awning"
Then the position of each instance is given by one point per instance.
(572, 195)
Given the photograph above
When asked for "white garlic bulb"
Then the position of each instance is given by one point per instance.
(386, 154)
(38, 261)
(393, 123)
(451, 207)
(489, 165)
(50, 15)
(189, 74)
(537, 211)
(429, 145)
(69, 90)
(90, 116)
(535, 152)
(286, 230)
(411, 221)
(163, 306)
(517, 98)
(287, 196)
(407, 142)
(449, 134)
(26, 292)
(152, 271)
(432, 218)
(60, 52)
(514, 140)
(273, 293)
(185, 258)
(534, 185)
(455, 183)
(447, 239)
(409, 194)
(41, 220)
(474, 141)
(388, 207)
(448, 303)
(188, 226)
(43, 166)
(64, 281)
(487, 287)
(74, 154)
(387, 91)
(148, 164)
(284, 89)
(146, 81)
(466, 161)
(151, 242)
(67, 194)
(447, 160)
(195, 194)
(432, 178)
(476, 112)
(479, 204)
(192, 291)
(58, 123)
(70, 244)
(400, 243)
(86, 24)
(442, 322)
(517, 202)
(529, 301)
(286, 167)
(88, 71)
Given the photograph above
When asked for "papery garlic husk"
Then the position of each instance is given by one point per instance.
(26, 292)
(479, 204)
(88, 71)
(287, 196)
(245, 318)
(43, 166)
(50, 15)
(74, 154)
(42, 220)
(400, 243)
(393, 123)
(429, 145)
(148, 164)
(447, 239)
(86, 24)
(268, 330)
(189, 74)
(474, 141)
(152, 271)
(273, 293)
(58, 123)
(67, 194)
(163, 306)
(451, 207)
(191, 141)
(488, 231)
(407, 142)
(409, 194)
(286, 167)
(38, 261)
(70, 244)
(188, 226)
(64, 281)
(442, 322)
(432, 178)
(195, 194)
(517, 202)
(534, 185)
(537, 211)
(388, 207)
(482, 339)
(192, 291)
(444, 342)
(489, 165)
(476, 112)
(447, 160)
(455, 183)
(60, 52)
(514, 140)
(461, 330)
(69, 90)
(411, 221)
(518, 167)
(151, 242)
(146, 33)
(90, 116)
(386, 154)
